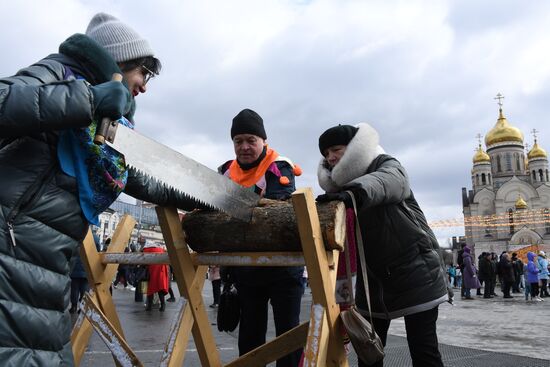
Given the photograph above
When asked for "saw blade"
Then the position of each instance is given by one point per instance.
(183, 174)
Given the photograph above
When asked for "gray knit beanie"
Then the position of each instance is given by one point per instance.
(121, 41)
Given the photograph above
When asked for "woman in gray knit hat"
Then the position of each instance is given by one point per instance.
(55, 181)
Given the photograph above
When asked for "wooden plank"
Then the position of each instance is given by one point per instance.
(322, 286)
(315, 350)
(135, 258)
(103, 279)
(250, 259)
(80, 334)
(121, 351)
(220, 258)
(274, 349)
(189, 286)
(175, 348)
(171, 351)
(99, 279)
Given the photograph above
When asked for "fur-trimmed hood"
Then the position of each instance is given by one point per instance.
(359, 154)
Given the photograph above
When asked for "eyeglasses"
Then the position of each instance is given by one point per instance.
(148, 74)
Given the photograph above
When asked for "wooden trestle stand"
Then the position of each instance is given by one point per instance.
(320, 336)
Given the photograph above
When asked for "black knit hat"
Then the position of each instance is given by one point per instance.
(248, 122)
(337, 135)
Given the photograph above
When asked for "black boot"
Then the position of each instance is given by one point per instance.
(162, 304)
(149, 303)
(172, 298)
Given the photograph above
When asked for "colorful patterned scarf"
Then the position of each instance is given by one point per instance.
(99, 170)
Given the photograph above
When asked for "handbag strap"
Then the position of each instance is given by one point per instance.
(362, 259)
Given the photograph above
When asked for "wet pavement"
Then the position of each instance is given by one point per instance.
(479, 332)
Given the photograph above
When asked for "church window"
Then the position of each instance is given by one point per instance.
(518, 166)
(546, 175)
(477, 179)
(547, 220)
(508, 162)
(499, 166)
(534, 176)
(489, 178)
(541, 175)
(483, 182)
(511, 220)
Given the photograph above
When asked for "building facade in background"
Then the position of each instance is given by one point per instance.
(144, 213)
(508, 207)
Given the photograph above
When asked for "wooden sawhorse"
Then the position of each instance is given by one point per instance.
(320, 337)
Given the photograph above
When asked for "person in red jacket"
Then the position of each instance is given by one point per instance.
(158, 278)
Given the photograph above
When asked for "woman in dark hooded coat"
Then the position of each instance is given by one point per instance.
(407, 277)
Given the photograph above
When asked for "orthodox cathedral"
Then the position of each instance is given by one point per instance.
(508, 208)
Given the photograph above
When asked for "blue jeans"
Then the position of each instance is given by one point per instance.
(285, 296)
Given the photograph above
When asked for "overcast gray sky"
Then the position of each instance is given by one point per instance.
(423, 73)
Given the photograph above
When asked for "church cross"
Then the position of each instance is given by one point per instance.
(534, 132)
(479, 136)
(500, 97)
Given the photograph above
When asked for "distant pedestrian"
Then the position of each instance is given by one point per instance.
(458, 277)
(494, 262)
(543, 276)
(123, 275)
(469, 275)
(532, 276)
(460, 263)
(215, 278)
(506, 274)
(158, 278)
(527, 287)
(79, 279)
(517, 264)
(483, 280)
(485, 273)
(452, 275)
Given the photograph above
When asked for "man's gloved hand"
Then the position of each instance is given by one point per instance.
(331, 196)
(111, 99)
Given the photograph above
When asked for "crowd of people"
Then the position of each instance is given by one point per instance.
(515, 276)
(56, 181)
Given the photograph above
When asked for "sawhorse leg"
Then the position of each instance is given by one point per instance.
(99, 279)
(324, 322)
(190, 281)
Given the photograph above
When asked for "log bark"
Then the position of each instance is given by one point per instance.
(273, 228)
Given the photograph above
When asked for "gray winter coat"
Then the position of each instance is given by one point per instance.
(406, 273)
(41, 223)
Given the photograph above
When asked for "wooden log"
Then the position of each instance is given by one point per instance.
(272, 228)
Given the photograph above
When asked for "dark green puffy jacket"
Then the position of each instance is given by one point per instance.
(41, 223)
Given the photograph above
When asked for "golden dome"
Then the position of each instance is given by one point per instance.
(536, 152)
(503, 131)
(520, 203)
(481, 156)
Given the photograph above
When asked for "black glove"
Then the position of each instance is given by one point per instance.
(111, 99)
(331, 196)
